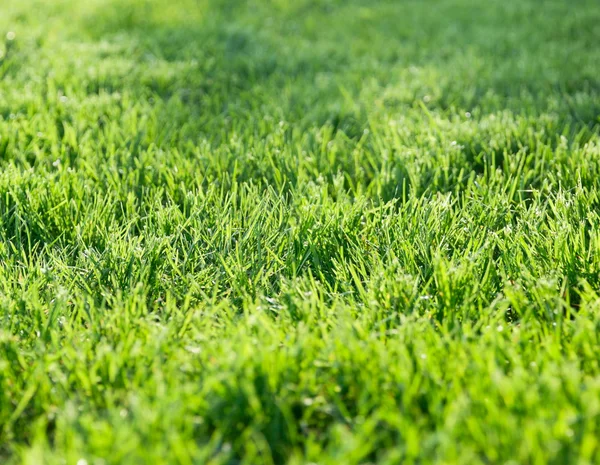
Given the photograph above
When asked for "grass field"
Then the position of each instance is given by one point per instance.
(299, 231)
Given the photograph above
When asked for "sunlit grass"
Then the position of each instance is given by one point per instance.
(332, 232)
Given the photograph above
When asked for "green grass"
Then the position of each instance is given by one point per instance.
(293, 231)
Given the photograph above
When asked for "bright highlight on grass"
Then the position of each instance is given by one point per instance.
(292, 232)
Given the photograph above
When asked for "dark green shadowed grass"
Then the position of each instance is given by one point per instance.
(309, 232)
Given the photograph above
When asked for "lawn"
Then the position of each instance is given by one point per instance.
(325, 232)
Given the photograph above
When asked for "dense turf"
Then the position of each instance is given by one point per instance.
(294, 231)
